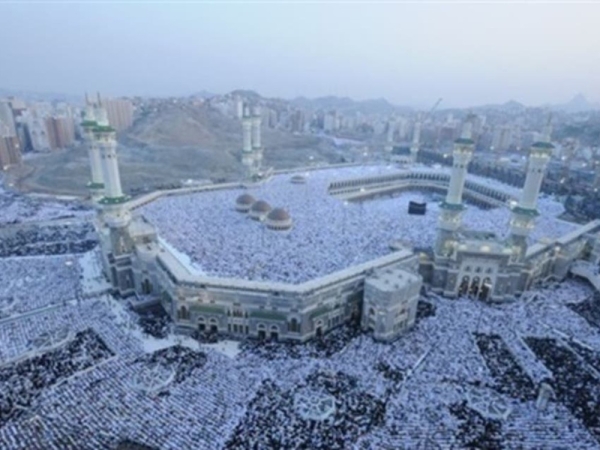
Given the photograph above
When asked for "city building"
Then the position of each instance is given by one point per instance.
(119, 111)
(10, 151)
(60, 131)
(7, 118)
(390, 302)
(502, 138)
(37, 132)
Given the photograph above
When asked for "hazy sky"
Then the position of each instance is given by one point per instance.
(410, 53)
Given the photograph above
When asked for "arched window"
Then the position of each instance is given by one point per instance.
(294, 326)
(146, 287)
(183, 313)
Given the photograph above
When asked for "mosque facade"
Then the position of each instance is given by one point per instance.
(381, 294)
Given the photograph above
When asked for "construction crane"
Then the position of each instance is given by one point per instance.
(433, 108)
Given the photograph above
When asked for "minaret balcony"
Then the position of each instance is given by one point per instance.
(529, 212)
(114, 200)
(95, 186)
(452, 206)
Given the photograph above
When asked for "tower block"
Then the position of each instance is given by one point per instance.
(452, 208)
(96, 184)
(525, 213)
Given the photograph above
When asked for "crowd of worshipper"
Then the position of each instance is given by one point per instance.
(410, 393)
(154, 320)
(23, 381)
(48, 239)
(320, 347)
(182, 359)
(578, 389)
(589, 309)
(328, 411)
(327, 234)
(27, 284)
(506, 371)
(19, 335)
(19, 208)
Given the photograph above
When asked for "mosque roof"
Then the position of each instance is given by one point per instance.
(278, 215)
(245, 199)
(261, 206)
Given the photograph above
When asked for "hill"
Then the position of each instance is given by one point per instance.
(171, 142)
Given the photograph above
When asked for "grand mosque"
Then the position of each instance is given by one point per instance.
(291, 255)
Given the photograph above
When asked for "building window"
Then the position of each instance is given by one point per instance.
(294, 326)
(183, 313)
(146, 287)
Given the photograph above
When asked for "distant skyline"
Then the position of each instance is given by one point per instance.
(411, 54)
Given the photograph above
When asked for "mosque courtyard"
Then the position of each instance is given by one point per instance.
(328, 234)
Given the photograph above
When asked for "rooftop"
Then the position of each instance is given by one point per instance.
(392, 279)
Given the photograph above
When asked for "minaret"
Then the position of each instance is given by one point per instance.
(452, 208)
(414, 147)
(256, 122)
(247, 155)
(96, 184)
(116, 242)
(247, 131)
(524, 214)
(106, 138)
(115, 214)
(257, 148)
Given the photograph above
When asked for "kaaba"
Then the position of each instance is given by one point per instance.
(417, 208)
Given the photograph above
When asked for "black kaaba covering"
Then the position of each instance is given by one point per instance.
(417, 208)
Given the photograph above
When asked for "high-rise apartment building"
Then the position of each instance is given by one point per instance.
(502, 138)
(10, 151)
(6, 118)
(119, 111)
(38, 134)
(60, 131)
